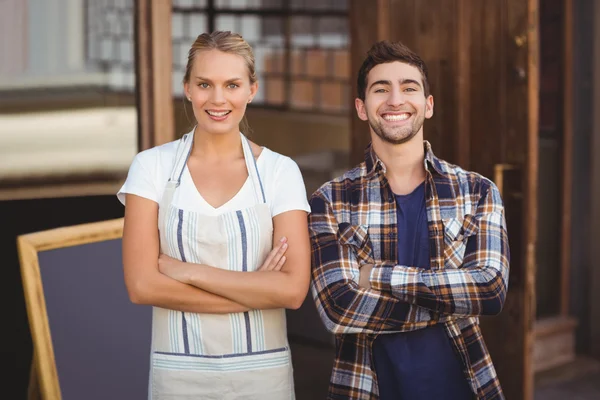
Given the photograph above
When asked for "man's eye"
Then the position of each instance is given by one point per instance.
(380, 91)
(410, 89)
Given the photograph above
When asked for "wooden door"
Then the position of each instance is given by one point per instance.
(483, 70)
(504, 146)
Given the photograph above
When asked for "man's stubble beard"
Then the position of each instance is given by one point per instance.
(407, 134)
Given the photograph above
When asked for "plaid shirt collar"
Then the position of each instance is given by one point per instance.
(375, 166)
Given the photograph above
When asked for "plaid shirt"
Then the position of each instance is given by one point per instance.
(353, 221)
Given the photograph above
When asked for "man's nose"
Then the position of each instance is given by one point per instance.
(396, 98)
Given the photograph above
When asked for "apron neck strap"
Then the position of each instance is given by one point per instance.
(185, 149)
(253, 170)
(181, 156)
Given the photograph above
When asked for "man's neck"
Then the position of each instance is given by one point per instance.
(404, 163)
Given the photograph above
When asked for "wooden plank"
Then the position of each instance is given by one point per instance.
(531, 198)
(487, 95)
(154, 68)
(463, 83)
(44, 361)
(436, 44)
(594, 291)
(61, 190)
(554, 342)
(504, 131)
(75, 235)
(369, 23)
(567, 160)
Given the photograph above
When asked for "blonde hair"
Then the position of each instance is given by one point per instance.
(227, 42)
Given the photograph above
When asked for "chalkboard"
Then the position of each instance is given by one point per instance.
(90, 341)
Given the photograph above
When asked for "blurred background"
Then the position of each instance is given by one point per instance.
(86, 84)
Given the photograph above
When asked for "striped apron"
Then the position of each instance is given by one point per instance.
(219, 356)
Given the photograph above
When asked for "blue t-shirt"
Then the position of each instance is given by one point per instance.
(420, 364)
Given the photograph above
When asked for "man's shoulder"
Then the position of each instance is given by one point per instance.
(467, 180)
(341, 184)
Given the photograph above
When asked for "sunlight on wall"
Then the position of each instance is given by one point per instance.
(67, 143)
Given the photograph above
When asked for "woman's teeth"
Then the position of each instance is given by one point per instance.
(218, 114)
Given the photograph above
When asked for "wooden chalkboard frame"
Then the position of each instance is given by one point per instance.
(44, 376)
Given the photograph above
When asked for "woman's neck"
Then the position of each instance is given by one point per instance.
(224, 146)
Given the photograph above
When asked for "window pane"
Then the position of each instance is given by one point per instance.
(74, 75)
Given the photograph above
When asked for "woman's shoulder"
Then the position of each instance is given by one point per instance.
(277, 162)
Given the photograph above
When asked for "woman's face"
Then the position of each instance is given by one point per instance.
(219, 89)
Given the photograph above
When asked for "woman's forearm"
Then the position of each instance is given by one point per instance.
(162, 291)
(256, 290)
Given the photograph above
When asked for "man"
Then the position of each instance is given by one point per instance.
(408, 251)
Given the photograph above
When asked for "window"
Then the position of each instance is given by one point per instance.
(301, 48)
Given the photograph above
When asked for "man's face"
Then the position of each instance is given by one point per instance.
(395, 105)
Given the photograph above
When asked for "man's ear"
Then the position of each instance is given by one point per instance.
(361, 110)
(429, 107)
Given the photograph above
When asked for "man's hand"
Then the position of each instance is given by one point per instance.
(364, 280)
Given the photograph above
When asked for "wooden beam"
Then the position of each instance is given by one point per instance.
(567, 160)
(594, 234)
(153, 51)
(463, 86)
(531, 195)
(369, 23)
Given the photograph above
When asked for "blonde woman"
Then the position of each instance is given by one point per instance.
(216, 239)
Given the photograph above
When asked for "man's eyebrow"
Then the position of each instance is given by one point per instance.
(409, 81)
(380, 82)
(406, 81)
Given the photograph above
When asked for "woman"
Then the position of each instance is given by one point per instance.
(218, 282)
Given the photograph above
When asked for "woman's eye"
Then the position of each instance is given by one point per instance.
(203, 85)
(232, 86)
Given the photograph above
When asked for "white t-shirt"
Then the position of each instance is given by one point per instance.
(281, 179)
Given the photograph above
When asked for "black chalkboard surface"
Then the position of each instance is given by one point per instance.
(90, 341)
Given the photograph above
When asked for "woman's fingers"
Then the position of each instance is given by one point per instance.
(280, 264)
(274, 256)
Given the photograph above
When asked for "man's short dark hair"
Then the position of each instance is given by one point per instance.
(385, 52)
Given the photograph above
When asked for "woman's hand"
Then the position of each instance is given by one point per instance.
(276, 258)
(176, 269)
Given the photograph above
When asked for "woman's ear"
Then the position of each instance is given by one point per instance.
(253, 91)
(186, 91)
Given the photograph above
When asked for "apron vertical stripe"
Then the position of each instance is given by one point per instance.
(238, 335)
(173, 331)
(197, 329)
(245, 269)
(179, 236)
(244, 241)
(258, 334)
(186, 344)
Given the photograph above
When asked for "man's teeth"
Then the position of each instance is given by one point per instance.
(218, 114)
(401, 117)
